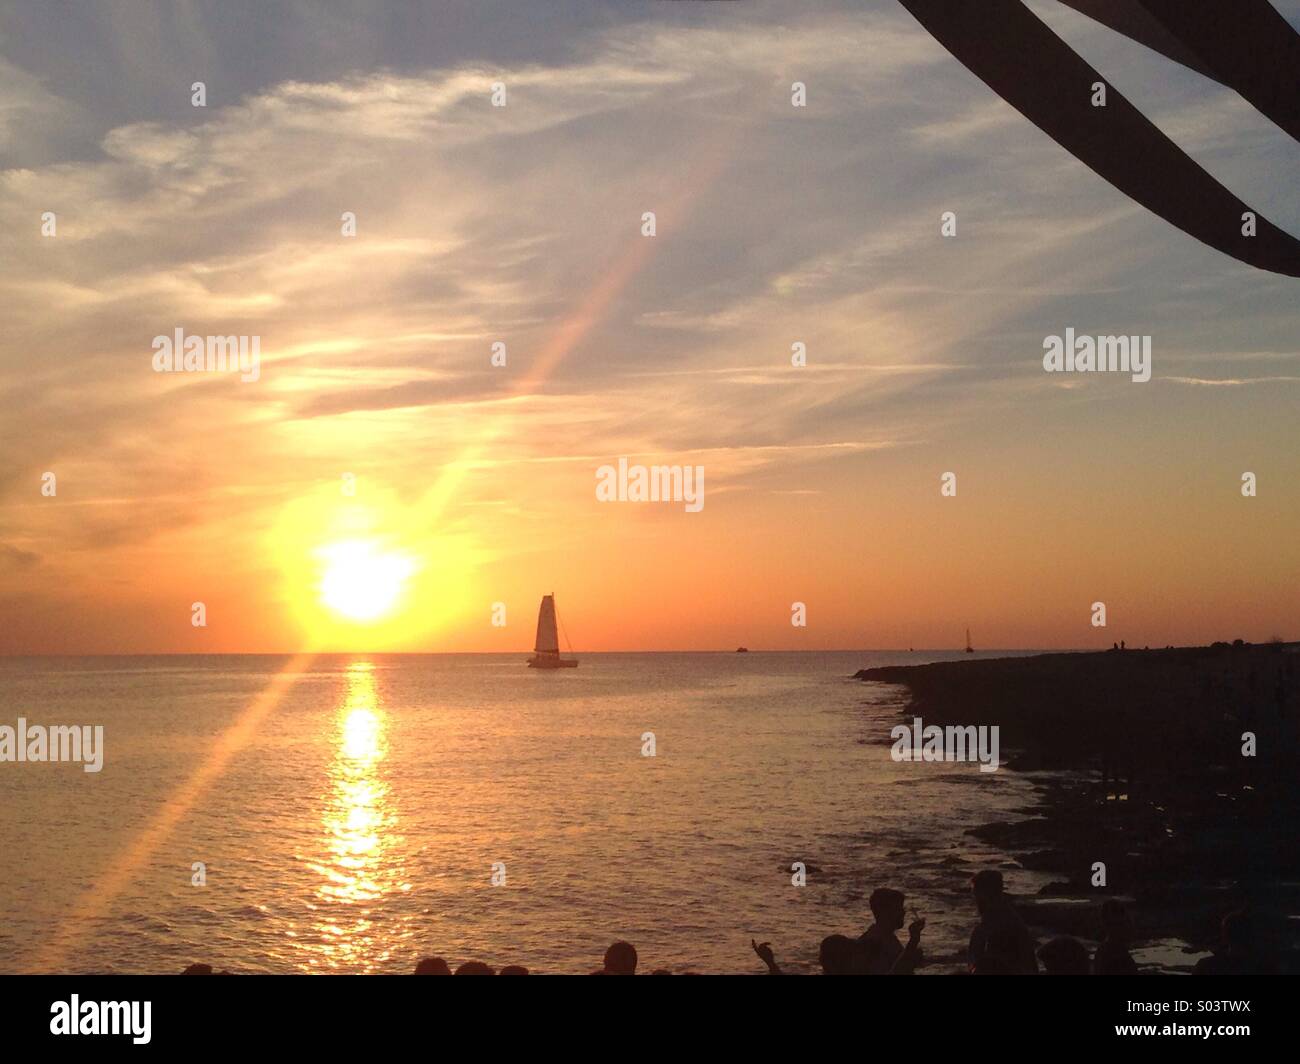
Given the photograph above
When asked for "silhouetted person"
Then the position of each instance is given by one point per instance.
(1240, 953)
(1001, 943)
(620, 959)
(1112, 956)
(1064, 956)
(838, 955)
(1001, 955)
(432, 966)
(513, 969)
(474, 968)
(880, 952)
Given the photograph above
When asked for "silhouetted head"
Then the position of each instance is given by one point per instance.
(198, 969)
(987, 888)
(513, 969)
(620, 959)
(432, 966)
(1064, 956)
(474, 968)
(887, 907)
(836, 955)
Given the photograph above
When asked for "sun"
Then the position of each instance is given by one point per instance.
(361, 581)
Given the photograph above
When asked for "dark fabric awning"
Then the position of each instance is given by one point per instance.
(1023, 61)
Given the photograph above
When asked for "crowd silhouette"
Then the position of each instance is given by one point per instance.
(1000, 944)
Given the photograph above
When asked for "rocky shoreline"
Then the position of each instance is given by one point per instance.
(1139, 759)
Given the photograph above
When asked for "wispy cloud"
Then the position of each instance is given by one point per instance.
(479, 224)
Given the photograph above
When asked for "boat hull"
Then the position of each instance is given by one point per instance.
(541, 661)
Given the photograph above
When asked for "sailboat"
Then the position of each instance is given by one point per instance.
(969, 649)
(546, 654)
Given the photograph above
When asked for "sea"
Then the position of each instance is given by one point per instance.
(355, 813)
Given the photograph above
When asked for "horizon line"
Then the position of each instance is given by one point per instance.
(511, 653)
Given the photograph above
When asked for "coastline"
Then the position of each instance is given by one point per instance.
(1138, 759)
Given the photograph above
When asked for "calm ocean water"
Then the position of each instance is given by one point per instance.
(352, 820)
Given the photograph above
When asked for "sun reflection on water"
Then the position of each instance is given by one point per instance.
(359, 840)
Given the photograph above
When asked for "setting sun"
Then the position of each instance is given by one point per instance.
(360, 582)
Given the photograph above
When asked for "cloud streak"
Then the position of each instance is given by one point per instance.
(521, 224)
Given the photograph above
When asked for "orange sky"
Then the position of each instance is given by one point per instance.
(522, 225)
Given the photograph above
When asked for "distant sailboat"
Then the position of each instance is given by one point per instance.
(969, 649)
(546, 654)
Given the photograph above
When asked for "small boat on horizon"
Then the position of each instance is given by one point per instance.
(742, 650)
(546, 650)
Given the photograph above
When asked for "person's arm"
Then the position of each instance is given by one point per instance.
(764, 951)
(975, 951)
(910, 959)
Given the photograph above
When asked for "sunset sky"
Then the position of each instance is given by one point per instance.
(522, 224)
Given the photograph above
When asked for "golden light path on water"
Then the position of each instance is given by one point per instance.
(360, 840)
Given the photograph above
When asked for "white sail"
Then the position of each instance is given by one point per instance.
(548, 641)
